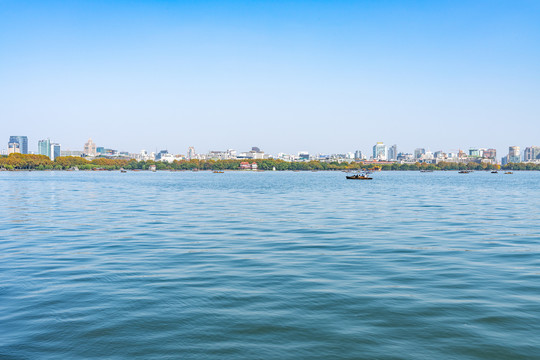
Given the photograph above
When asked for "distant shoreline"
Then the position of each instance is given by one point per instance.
(42, 162)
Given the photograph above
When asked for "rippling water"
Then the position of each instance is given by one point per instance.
(271, 265)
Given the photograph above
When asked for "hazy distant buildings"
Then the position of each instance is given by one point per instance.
(514, 154)
(490, 154)
(51, 150)
(191, 153)
(22, 141)
(90, 148)
(13, 148)
(44, 147)
(439, 155)
(303, 156)
(71, 153)
(418, 152)
(55, 151)
(405, 157)
(161, 154)
(392, 153)
(358, 155)
(531, 154)
(380, 151)
(475, 152)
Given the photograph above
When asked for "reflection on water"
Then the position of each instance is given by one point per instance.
(269, 265)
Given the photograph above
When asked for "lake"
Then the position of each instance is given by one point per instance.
(269, 265)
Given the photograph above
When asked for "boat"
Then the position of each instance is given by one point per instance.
(494, 172)
(218, 172)
(464, 171)
(123, 170)
(359, 177)
(508, 172)
(426, 170)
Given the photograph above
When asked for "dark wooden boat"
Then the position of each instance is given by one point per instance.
(359, 177)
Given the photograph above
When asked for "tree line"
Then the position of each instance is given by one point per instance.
(42, 162)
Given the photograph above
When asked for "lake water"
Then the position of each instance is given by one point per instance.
(269, 265)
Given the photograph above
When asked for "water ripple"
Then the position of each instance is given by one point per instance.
(269, 266)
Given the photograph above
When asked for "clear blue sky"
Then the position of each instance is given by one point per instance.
(322, 76)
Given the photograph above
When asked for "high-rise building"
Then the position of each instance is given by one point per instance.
(380, 151)
(392, 153)
(531, 153)
(514, 154)
(535, 152)
(55, 151)
(22, 141)
(90, 148)
(13, 148)
(419, 152)
(191, 153)
(44, 147)
(358, 155)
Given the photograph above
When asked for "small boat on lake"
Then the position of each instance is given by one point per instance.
(464, 171)
(359, 177)
(218, 172)
(494, 172)
(508, 172)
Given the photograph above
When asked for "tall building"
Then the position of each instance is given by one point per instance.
(13, 148)
(392, 153)
(191, 153)
(514, 154)
(358, 155)
(531, 153)
(55, 151)
(90, 148)
(380, 151)
(419, 152)
(44, 147)
(22, 141)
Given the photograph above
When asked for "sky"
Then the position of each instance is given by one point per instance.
(286, 76)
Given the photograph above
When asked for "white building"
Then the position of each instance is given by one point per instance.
(380, 151)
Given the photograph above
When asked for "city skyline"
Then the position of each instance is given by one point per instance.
(295, 76)
(381, 152)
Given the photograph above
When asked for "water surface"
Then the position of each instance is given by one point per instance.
(269, 265)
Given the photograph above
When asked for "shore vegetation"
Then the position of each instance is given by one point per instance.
(42, 162)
